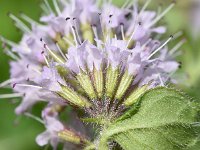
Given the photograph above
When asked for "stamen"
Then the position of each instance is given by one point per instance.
(55, 3)
(157, 50)
(34, 117)
(68, 18)
(76, 30)
(13, 95)
(7, 82)
(129, 41)
(33, 68)
(162, 14)
(57, 58)
(59, 49)
(45, 58)
(19, 23)
(100, 20)
(27, 85)
(74, 35)
(122, 31)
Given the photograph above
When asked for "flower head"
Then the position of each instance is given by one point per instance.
(100, 59)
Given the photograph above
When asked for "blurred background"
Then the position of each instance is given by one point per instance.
(19, 132)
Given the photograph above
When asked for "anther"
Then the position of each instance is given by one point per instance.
(68, 18)
(45, 46)
(121, 24)
(128, 15)
(94, 25)
(164, 44)
(14, 85)
(73, 27)
(110, 16)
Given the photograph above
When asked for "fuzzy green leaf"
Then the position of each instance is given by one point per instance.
(165, 119)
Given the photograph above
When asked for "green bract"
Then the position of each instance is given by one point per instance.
(164, 120)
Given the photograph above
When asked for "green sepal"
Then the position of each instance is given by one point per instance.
(71, 136)
(125, 82)
(86, 83)
(135, 95)
(98, 82)
(112, 76)
(73, 97)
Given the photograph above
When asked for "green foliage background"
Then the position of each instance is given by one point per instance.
(19, 132)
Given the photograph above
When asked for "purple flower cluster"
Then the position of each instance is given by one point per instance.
(84, 53)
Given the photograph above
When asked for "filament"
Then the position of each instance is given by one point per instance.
(157, 50)
(63, 55)
(27, 85)
(122, 31)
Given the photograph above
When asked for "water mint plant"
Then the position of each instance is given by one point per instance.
(110, 67)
